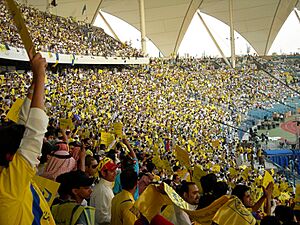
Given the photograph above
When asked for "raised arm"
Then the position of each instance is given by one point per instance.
(37, 121)
(131, 151)
(24, 111)
(267, 196)
(39, 65)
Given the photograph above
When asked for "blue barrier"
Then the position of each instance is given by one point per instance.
(260, 114)
(283, 156)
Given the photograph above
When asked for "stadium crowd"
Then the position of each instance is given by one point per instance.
(164, 108)
(61, 35)
(119, 140)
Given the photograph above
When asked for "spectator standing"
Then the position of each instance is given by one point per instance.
(122, 202)
(102, 195)
(21, 201)
(75, 188)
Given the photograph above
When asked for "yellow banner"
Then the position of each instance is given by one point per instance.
(175, 198)
(13, 113)
(66, 124)
(48, 188)
(234, 212)
(106, 138)
(20, 24)
(154, 197)
(118, 129)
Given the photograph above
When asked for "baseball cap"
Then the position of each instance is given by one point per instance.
(107, 164)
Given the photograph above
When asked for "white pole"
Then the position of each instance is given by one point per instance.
(297, 14)
(109, 27)
(213, 39)
(232, 42)
(143, 26)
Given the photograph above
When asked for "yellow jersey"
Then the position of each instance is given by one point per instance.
(21, 201)
(120, 206)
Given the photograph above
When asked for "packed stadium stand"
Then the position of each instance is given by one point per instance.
(142, 140)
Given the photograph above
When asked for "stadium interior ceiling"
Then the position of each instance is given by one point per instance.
(166, 22)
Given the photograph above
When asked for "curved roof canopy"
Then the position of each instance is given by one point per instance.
(258, 21)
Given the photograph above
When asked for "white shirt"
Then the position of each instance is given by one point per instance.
(36, 127)
(101, 199)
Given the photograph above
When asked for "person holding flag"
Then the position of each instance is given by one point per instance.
(21, 201)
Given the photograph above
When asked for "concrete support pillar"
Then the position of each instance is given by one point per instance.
(232, 41)
(143, 26)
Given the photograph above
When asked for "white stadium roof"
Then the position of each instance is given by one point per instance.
(258, 21)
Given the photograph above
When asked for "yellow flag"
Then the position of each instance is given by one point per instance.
(191, 143)
(232, 172)
(215, 143)
(267, 179)
(48, 188)
(245, 173)
(197, 174)
(66, 124)
(166, 165)
(2, 47)
(149, 203)
(216, 168)
(276, 191)
(284, 196)
(157, 162)
(182, 156)
(283, 186)
(118, 128)
(2, 79)
(152, 199)
(13, 113)
(106, 138)
(21, 26)
(234, 212)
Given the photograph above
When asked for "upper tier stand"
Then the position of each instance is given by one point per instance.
(19, 54)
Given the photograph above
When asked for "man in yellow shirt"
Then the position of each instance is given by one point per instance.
(122, 202)
(21, 201)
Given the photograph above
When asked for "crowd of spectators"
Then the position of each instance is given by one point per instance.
(61, 35)
(191, 103)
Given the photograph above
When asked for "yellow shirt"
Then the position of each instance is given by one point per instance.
(120, 213)
(21, 202)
